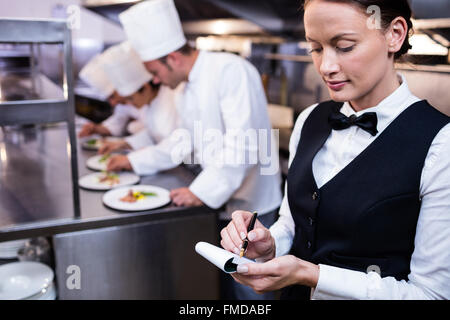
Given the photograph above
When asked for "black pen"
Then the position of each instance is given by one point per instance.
(250, 228)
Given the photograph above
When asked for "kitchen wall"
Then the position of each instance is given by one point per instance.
(90, 33)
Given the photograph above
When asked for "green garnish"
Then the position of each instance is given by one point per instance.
(104, 158)
(148, 194)
(91, 141)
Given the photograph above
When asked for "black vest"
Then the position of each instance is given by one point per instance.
(367, 214)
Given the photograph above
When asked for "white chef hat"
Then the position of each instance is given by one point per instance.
(125, 69)
(153, 28)
(94, 75)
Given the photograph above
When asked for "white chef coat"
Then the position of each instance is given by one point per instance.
(160, 119)
(223, 93)
(430, 262)
(124, 113)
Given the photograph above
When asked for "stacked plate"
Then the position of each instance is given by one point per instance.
(9, 249)
(26, 280)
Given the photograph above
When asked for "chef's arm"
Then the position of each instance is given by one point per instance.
(167, 154)
(226, 169)
(117, 122)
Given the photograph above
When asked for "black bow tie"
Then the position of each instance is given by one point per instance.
(367, 121)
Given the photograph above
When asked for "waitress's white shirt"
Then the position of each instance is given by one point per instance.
(222, 98)
(430, 262)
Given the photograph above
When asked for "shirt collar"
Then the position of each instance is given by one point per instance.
(388, 109)
(196, 68)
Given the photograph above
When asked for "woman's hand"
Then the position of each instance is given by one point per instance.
(261, 244)
(277, 273)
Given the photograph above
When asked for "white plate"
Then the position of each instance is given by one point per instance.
(19, 280)
(112, 198)
(48, 293)
(87, 144)
(94, 163)
(9, 249)
(91, 181)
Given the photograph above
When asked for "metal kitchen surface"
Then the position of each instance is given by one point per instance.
(35, 187)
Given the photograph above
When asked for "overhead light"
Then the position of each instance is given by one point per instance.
(422, 44)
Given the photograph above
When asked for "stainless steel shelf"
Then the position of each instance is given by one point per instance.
(56, 104)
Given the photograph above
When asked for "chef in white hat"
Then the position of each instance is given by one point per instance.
(151, 104)
(116, 74)
(223, 93)
(94, 76)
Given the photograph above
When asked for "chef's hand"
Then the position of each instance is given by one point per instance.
(118, 163)
(261, 243)
(185, 198)
(277, 273)
(110, 146)
(92, 128)
(87, 130)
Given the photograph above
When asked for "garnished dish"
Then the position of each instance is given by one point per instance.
(105, 180)
(133, 196)
(92, 143)
(109, 178)
(136, 198)
(104, 158)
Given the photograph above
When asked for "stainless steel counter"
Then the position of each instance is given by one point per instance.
(35, 187)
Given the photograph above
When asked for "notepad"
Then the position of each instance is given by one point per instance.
(222, 259)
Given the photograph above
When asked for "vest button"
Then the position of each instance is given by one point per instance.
(315, 196)
(309, 244)
(311, 221)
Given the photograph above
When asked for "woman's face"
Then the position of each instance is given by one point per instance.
(352, 58)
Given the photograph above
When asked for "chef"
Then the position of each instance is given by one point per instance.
(126, 118)
(152, 104)
(223, 94)
(94, 75)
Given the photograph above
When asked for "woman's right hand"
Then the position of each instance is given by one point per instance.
(261, 243)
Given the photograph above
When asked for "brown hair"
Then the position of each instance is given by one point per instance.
(390, 9)
(185, 50)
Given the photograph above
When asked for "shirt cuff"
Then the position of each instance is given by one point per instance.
(139, 140)
(340, 284)
(283, 242)
(139, 162)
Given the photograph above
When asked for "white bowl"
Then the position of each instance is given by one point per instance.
(19, 280)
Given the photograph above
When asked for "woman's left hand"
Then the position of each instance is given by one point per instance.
(277, 273)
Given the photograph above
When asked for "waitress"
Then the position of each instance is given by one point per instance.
(366, 213)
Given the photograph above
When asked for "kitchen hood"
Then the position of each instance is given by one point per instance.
(275, 17)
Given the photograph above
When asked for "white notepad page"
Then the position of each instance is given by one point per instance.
(222, 259)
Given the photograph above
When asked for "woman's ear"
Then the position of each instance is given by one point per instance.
(396, 34)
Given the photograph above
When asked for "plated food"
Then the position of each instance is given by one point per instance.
(133, 196)
(102, 181)
(98, 162)
(96, 142)
(137, 198)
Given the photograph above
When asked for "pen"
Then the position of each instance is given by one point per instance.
(250, 228)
